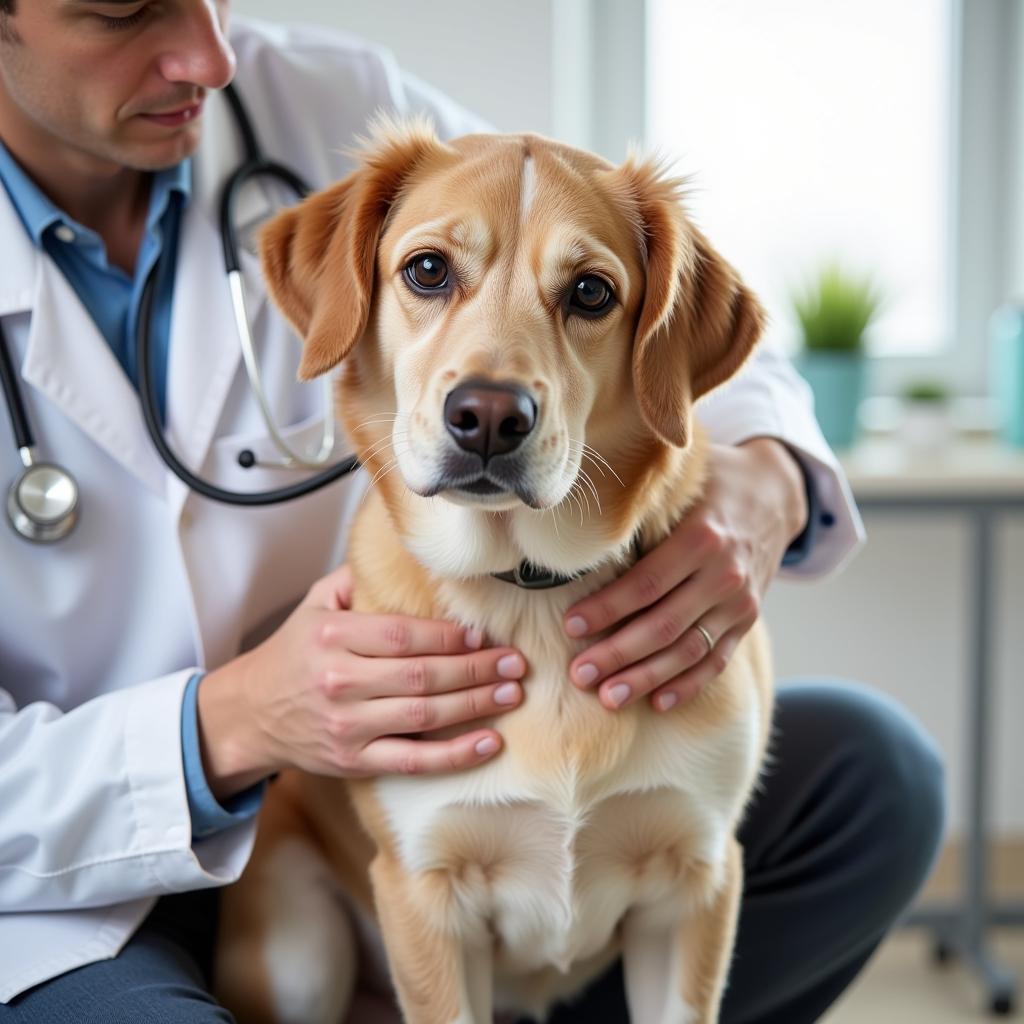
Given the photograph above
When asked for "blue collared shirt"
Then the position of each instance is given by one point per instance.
(112, 298)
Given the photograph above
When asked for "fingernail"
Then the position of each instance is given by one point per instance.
(488, 745)
(511, 666)
(474, 638)
(667, 701)
(507, 693)
(587, 673)
(619, 694)
(576, 626)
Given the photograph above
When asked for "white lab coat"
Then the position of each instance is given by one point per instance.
(100, 633)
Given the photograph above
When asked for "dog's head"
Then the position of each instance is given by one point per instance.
(524, 326)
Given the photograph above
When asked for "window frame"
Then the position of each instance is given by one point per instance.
(600, 103)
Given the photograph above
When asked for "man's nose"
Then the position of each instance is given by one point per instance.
(489, 418)
(199, 52)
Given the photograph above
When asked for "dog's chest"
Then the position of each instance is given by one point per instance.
(586, 814)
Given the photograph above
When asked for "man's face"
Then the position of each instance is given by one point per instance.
(117, 82)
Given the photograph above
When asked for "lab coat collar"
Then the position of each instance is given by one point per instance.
(18, 261)
(67, 360)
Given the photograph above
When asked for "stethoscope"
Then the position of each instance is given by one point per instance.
(43, 501)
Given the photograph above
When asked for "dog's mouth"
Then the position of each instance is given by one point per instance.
(482, 486)
(484, 490)
(464, 480)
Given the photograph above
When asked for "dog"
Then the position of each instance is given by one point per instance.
(523, 329)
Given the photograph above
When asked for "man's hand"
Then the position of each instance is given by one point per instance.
(338, 692)
(712, 571)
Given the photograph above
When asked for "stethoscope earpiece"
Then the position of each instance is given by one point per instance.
(42, 503)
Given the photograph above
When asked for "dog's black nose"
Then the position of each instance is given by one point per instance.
(489, 418)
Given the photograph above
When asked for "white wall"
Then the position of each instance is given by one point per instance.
(1015, 139)
(896, 618)
(494, 58)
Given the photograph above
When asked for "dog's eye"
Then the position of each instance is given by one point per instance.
(591, 295)
(428, 272)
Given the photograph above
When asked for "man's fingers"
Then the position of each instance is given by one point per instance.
(657, 629)
(708, 647)
(394, 636)
(641, 585)
(686, 686)
(398, 715)
(422, 675)
(646, 676)
(393, 756)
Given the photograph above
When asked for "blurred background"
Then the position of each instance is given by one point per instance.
(861, 162)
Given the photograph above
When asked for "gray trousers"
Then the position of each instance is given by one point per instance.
(839, 837)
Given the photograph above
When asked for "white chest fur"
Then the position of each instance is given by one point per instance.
(587, 813)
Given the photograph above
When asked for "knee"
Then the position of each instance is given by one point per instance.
(896, 786)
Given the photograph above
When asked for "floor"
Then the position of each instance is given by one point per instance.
(902, 986)
(899, 986)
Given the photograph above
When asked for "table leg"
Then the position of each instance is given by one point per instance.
(962, 930)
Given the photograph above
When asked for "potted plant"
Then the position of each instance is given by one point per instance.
(927, 425)
(834, 311)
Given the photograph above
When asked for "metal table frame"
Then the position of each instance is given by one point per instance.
(961, 929)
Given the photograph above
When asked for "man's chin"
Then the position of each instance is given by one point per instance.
(159, 154)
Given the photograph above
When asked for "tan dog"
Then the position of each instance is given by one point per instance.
(507, 309)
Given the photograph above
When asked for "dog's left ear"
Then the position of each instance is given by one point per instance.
(319, 257)
(698, 322)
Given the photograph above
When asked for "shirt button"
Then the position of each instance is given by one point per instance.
(64, 233)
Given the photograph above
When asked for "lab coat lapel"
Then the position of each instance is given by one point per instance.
(18, 259)
(70, 363)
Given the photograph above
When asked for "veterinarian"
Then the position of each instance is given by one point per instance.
(126, 774)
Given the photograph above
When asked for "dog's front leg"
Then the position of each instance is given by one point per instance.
(677, 975)
(438, 980)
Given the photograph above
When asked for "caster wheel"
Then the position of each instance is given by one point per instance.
(1001, 1005)
(943, 953)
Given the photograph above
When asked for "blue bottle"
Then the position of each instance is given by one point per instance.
(1006, 368)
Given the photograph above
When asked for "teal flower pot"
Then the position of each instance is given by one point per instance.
(1006, 366)
(838, 380)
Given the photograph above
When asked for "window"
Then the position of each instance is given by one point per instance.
(817, 130)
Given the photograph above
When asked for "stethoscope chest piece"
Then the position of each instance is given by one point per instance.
(42, 504)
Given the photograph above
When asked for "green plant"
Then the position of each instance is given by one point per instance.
(926, 391)
(834, 310)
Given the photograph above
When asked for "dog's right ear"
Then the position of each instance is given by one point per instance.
(319, 257)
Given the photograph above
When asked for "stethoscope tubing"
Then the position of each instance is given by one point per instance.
(12, 395)
(149, 401)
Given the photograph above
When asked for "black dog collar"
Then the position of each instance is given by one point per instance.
(535, 577)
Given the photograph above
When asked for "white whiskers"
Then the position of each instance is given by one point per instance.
(586, 451)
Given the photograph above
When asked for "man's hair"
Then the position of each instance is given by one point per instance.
(6, 32)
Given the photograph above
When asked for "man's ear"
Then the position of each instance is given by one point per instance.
(319, 257)
(698, 322)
